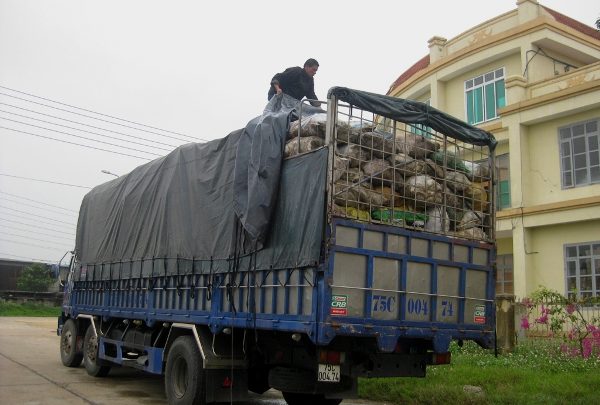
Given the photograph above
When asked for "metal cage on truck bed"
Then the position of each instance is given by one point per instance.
(406, 242)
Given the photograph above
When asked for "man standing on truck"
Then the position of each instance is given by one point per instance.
(296, 82)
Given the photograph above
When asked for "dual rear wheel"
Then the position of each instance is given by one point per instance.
(72, 352)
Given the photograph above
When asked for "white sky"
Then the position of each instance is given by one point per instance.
(193, 67)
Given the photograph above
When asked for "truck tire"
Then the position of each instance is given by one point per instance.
(69, 355)
(90, 354)
(184, 374)
(293, 398)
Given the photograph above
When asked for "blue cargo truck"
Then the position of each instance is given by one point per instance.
(312, 247)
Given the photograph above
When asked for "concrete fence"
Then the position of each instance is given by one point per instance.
(46, 298)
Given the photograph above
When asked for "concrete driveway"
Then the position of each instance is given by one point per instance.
(31, 373)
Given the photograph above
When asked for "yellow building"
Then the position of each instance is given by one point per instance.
(532, 78)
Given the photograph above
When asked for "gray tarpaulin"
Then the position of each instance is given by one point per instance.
(257, 167)
(203, 205)
(183, 206)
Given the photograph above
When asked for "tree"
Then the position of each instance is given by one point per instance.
(35, 278)
(598, 23)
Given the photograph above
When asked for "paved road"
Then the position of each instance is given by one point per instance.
(31, 373)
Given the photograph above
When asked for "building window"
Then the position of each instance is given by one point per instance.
(582, 269)
(421, 129)
(484, 95)
(504, 274)
(503, 190)
(579, 154)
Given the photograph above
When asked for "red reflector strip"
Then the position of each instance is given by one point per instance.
(227, 383)
(333, 357)
(330, 357)
(441, 358)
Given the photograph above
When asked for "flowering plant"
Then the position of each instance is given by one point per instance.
(567, 317)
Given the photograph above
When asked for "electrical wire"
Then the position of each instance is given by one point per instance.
(21, 203)
(100, 119)
(39, 227)
(32, 245)
(94, 112)
(43, 181)
(28, 258)
(38, 221)
(75, 143)
(88, 125)
(36, 239)
(39, 202)
(83, 130)
(37, 216)
(37, 232)
(81, 137)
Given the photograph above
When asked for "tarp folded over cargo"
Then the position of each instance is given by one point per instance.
(257, 167)
(414, 112)
(181, 206)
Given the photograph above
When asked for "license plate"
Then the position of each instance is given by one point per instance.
(329, 373)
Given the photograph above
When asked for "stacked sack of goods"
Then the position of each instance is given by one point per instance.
(408, 181)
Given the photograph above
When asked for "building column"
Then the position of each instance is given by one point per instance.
(521, 237)
(522, 260)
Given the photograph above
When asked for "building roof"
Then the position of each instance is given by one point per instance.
(420, 65)
(423, 63)
(568, 21)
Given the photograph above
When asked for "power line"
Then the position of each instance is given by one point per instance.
(100, 119)
(21, 203)
(36, 201)
(83, 130)
(74, 143)
(37, 233)
(94, 112)
(38, 216)
(38, 227)
(43, 181)
(32, 245)
(30, 259)
(38, 221)
(81, 137)
(88, 125)
(36, 239)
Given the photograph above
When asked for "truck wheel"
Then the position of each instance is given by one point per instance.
(69, 355)
(184, 375)
(90, 355)
(293, 398)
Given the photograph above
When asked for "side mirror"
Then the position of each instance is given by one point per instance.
(64, 271)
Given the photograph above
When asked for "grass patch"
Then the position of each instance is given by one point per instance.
(8, 308)
(534, 374)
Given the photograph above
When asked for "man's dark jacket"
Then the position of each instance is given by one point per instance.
(295, 82)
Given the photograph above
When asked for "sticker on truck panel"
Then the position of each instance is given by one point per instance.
(479, 314)
(339, 305)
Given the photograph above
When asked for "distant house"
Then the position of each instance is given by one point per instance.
(531, 77)
(10, 270)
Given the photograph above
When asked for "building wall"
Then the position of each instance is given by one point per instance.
(552, 76)
(504, 246)
(544, 185)
(547, 251)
